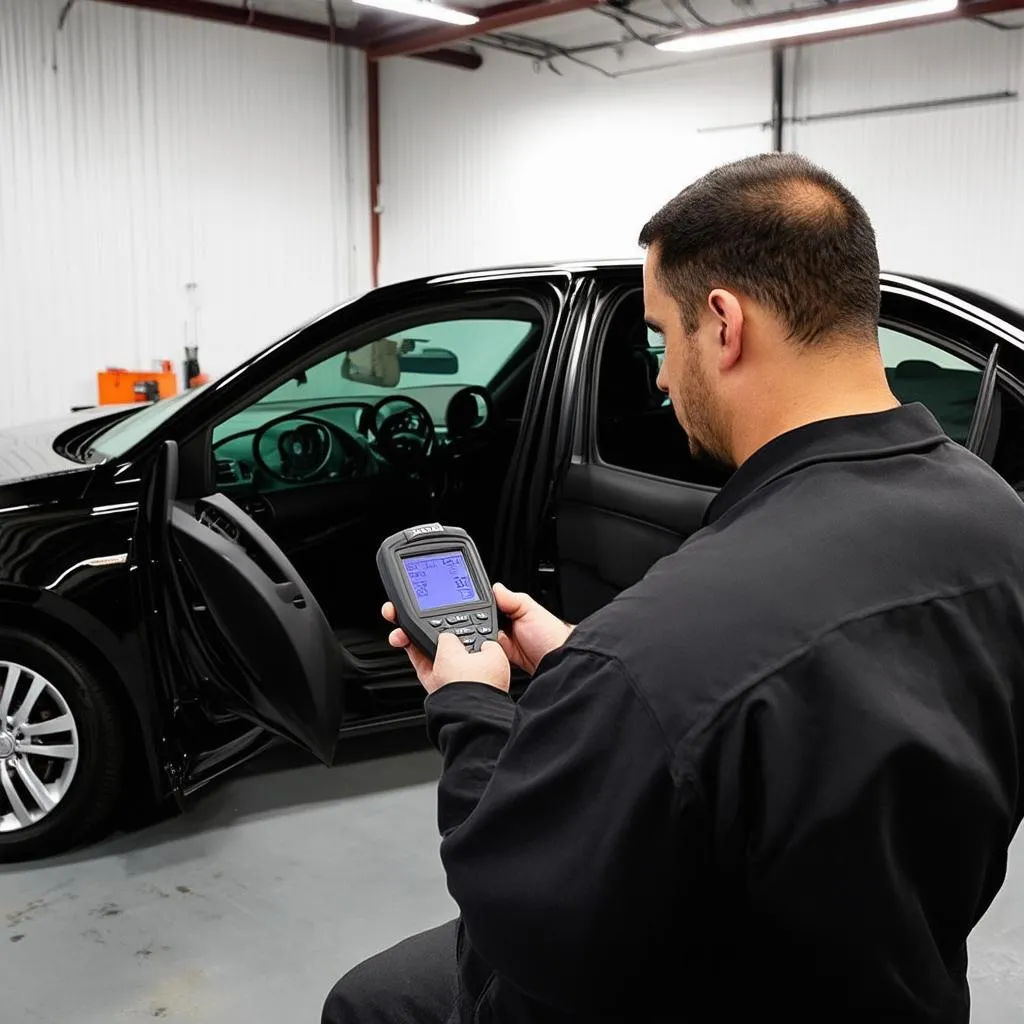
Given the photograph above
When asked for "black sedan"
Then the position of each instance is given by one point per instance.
(183, 583)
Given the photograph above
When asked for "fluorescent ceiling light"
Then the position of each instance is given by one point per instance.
(862, 16)
(422, 9)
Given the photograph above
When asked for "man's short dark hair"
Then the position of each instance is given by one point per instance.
(776, 228)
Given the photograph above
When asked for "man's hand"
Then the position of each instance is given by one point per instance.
(535, 631)
(452, 663)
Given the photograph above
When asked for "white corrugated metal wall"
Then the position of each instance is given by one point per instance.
(161, 154)
(505, 165)
(502, 164)
(945, 186)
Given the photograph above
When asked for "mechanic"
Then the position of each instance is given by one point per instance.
(778, 777)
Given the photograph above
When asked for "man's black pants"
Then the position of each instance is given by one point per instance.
(415, 982)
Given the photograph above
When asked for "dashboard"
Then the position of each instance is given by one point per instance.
(266, 448)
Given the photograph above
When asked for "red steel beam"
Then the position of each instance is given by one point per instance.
(979, 7)
(470, 60)
(507, 16)
(973, 9)
(242, 16)
(245, 18)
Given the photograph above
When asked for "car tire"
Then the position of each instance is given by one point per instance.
(89, 782)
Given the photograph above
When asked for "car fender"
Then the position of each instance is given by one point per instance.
(117, 659)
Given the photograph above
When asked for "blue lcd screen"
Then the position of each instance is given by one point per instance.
(439, 580)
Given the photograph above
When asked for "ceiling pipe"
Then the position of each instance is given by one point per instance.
(470, 60)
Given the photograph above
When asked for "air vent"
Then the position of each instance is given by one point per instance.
(215, 520)
(226, 472)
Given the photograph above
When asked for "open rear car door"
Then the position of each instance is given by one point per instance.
(227, 611)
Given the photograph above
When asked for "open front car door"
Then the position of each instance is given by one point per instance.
(226, 608)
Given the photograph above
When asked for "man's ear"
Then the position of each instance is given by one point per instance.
(728, 313)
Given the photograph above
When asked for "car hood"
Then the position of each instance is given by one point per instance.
(28, 451)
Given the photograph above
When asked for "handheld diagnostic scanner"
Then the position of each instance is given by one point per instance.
(434, 577)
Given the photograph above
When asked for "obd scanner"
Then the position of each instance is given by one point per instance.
(434, 577)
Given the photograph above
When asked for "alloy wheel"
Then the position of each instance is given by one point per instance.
(39, 747)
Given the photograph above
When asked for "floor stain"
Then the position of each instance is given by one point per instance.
(183, 889)
(144, 954)
(94, 935)
(107, 910)
(160, 1011)
(16, 917)
(17, 938)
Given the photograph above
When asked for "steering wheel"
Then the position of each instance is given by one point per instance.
(306, 450)
(406, 436)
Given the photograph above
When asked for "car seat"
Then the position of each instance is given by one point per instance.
(627, 392)
(950, 394)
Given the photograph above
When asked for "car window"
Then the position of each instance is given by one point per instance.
(390, 365)
(124, 434)
(636, 424)
(919, 371)
(637, 429)
(429, 362)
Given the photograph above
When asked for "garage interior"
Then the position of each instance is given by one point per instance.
(184, 182)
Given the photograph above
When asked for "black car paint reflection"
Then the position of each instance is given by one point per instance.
(94, 555)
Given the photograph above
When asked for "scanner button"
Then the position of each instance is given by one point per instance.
(483, 616)
(455, 619)
(483, 630)
(468, 641)
(437, 622)
(464, 631)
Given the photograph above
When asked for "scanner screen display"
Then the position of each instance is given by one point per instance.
(439, 580)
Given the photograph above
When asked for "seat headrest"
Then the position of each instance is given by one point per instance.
(628, 381)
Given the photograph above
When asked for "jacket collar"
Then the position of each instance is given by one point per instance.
(873, 435)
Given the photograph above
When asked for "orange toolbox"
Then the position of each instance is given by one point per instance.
(121, 387)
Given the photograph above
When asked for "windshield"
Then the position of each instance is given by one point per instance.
(113, 442)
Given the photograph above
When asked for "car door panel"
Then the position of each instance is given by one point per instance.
(613, 525)
(229, 615)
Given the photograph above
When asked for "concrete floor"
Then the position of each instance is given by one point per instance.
(280, 879)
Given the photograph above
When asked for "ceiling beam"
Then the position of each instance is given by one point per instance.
(470, 60)
(251, 18)
(984, 7)
(505, 16)
(246, 18)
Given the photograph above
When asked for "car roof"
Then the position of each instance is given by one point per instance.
(924, 286)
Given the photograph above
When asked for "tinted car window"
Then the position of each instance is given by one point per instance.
(919, 371)
(429, 363)
(126, 433)
(637, 429)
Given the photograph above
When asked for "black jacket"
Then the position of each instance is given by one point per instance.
(777, 778)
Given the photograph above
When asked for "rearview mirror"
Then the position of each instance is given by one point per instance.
(381, 363)
(376, 363)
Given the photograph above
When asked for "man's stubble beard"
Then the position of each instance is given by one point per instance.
(708, 434)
